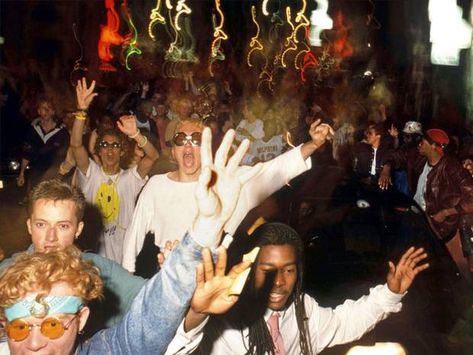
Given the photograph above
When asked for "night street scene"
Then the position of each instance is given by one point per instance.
(236, 177)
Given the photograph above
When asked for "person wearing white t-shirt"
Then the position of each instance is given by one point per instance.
(267, 148)
(112, 189)
(167, 204)
(250, 127)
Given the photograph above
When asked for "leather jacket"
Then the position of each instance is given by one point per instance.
(448, 186)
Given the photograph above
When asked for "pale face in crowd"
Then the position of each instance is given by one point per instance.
(110, 156)
(53, 225)
(187, 156)
(46, 111)
(37, 343)
(280, 262)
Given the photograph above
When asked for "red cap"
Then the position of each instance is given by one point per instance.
(438, 136)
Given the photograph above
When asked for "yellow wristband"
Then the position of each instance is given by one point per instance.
(80, 115)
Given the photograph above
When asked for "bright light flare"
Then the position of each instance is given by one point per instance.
(449, 32)
(319, 21)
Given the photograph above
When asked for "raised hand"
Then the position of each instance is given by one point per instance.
(393, 131)
(401, 276)
(219, 184)
(127, 124)
(212, 293)
(85, 95)
(320, 133)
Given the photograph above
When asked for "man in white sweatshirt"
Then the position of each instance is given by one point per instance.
(167, 205)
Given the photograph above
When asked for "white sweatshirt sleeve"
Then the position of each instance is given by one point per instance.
(274, 175)
(140, 224)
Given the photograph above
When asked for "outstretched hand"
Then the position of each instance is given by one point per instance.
(401, 276)
(212, 293)
(320, 133)
(84, 94)
(219, 184)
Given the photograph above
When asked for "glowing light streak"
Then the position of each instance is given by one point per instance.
(216, 52)
(132, 48)
(109, 36)
(168, 4)
(319, 21)
(154, 17)
(341, 45)
(255, 44)
(289, 139)
(290, 44)
(264, 8)
(181, 8)
(309, 61)
(78, 63)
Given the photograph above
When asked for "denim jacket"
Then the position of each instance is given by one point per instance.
(155, 314)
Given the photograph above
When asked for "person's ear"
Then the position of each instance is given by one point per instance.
(28, 225)
(80, 227)
(83, 316)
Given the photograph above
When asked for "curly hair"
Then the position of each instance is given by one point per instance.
(57, 190)
(38, 272)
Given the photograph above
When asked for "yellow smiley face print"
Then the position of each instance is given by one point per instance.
(108, 201)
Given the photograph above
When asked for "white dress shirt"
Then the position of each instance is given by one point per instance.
(327, 327)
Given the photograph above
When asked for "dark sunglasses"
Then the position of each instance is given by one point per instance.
(181, 138)
(114, 145)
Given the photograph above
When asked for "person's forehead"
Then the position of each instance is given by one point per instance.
(48, 208)
(189, 127)
(110, 138)
(277, 255)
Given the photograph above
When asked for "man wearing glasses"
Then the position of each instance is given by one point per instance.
(167, 204)
(112, 189)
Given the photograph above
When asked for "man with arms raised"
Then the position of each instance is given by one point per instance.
(274, 316)
(166, 205)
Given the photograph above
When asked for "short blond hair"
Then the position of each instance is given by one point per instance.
(196, 121)
(38, 272)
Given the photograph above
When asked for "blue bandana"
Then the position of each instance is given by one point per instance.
(28, 307)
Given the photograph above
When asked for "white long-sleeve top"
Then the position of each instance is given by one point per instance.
(167, 208)
(327, 327)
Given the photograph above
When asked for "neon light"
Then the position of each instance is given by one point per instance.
(155, 17)
(289, 43)
(109, 36)
(264, 8)
(168, 4)
(132, 43)
(319, 21)
(181, 8)
(255, 44)
(216, 52)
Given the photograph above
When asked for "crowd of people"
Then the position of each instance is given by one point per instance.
(185, 167)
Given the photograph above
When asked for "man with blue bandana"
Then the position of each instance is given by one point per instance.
(47, 324)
